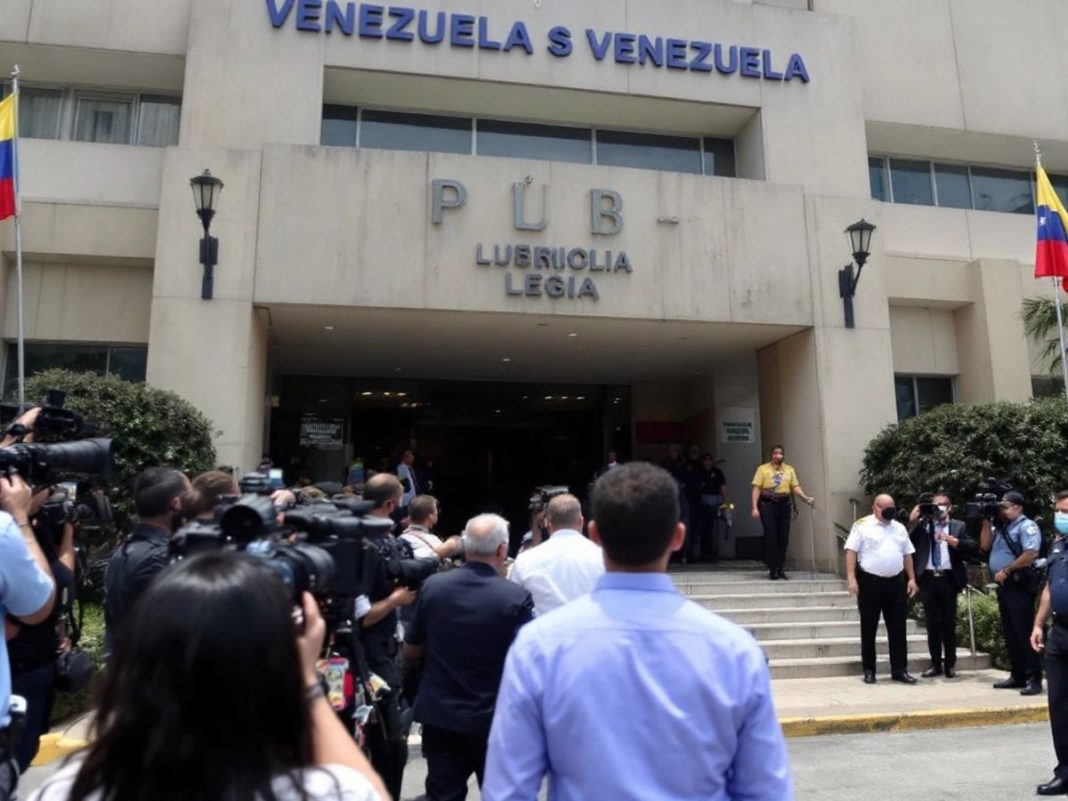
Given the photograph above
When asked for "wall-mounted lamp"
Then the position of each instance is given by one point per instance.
(859, 234)
(206, 191)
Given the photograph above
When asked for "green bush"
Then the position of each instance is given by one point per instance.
(149, 426)
(955, 447)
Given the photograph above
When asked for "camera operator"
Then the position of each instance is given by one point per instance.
(1013, 542)
(27, 592)
(942, 544)
(422, 517)
(386, 742)
(33, 648)
(208, 489)
(1055, 600)
(158, 493)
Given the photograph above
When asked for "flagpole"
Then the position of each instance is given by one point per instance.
(21, 346)
(1056, 299)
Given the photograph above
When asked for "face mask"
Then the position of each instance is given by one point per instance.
(1060, 522)
(888, 513)
(943, 511)
(776, 459)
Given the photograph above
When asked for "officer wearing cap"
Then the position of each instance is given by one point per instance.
(1013, 542)
(1055, 600)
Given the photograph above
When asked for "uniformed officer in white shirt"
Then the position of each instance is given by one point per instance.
(565, 566)
(879, 572)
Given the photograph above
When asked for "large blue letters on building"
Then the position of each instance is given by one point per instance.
(410, 25)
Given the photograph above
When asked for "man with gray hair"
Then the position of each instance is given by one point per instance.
(464, 623)
(566, 566)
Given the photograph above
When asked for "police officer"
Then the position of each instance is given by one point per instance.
(387, 740)
(774, 485)
(1013, 543)
(1055, 600)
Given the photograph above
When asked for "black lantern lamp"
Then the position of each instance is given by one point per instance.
(859, 234)
(206, 191)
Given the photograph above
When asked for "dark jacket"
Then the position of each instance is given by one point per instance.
(466, 619)
(132, 566)
(920, 534)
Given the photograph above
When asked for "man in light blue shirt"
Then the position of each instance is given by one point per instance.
(634, 692)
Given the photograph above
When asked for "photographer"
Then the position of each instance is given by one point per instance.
(1013, 542)
(386, 742)
(942, 544)
(425, 544)
(27, 592)
(208, 489)
(33, 648)
(214, 695)
(158, 494)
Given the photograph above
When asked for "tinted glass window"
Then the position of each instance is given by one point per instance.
(105, 121)
(954, 190)
(529, 141)
(719, 157)
(906, 397)
(1060, 186)
(39, 113)
(911, 182)
(880, 190)
(128, 363)
(393, 131)
(648, 151)
(933, 392)
(125, 362)
(1002, 190)
(159, 121)
(338, 126)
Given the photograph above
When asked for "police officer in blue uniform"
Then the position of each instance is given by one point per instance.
(1055, 600)
(1013, 542)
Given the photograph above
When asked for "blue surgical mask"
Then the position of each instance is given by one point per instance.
(1060, 522)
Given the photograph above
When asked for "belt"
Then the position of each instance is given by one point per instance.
(777, 498)
(936, 573)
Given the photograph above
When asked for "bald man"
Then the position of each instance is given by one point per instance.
(879, 572)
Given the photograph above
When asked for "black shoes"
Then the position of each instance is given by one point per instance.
(1053, 787)
(950, 673)
(1009, 684)
(932, 671)
(782, 575)
(1032, 688)
(773, 575)
(869, 677)
(903, 677)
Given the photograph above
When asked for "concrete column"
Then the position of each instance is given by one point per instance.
(995, 364)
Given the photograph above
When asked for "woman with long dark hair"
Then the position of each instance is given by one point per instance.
(213, 695)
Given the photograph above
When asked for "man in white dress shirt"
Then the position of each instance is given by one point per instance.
(406, 470)
(564, 567)
(880, 574)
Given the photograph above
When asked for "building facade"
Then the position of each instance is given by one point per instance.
(622, 218)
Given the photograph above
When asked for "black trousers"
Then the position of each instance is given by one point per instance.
(451, 758)
(775, 518)
(939, 597)
(1017, 607)
(886, 597)
(710, 531)
(387, 741)
(1057, 675)
(35, 686)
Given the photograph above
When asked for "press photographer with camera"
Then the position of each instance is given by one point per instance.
(422, 517)
(27, 594)
(942, 544)
(214, 694)
(158, 494)
(1012, 541)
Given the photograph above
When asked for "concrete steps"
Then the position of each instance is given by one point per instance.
(809, 626)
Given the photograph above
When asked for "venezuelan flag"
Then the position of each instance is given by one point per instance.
(7, 157)
(1051, 253)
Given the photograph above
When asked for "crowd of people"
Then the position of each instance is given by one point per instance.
(215, 684)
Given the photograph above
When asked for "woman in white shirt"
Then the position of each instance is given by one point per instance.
(213, 695)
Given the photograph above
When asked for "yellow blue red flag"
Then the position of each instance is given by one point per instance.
(7, 157)
(1051, 252)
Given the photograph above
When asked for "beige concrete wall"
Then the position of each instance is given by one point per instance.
(81, 303)
(924, 341)
(91, 174)
(157, 26)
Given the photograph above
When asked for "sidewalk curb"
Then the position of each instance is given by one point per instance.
(914, 721)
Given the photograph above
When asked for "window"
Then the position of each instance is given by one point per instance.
(880, 187)
(338, 126)
(533, 141)
(649, 151)
(951, 183)
(910, 181)
(127, 362)
(1044, 386)
(113, 118)
(396, 131)
(1002, 190)
(102, 120)
(158, 122)
(347, 126)
(916, 394)
(719, 157)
